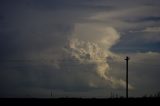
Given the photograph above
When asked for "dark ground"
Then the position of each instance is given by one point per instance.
(79, 101)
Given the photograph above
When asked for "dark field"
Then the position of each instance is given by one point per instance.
(79, 101)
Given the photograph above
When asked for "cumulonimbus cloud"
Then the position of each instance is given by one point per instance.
(90, 44)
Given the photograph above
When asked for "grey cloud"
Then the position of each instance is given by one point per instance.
(146, 19)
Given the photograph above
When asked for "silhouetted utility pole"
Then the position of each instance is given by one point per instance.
(127, 59)
(51, 93)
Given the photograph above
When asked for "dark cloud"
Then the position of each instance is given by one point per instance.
(71, 4)
(143, 43)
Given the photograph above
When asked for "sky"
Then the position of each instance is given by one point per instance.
(76, 48)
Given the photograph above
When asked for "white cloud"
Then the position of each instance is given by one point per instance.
(103, 35)
(148, 29)
(90, 44)
(152, 29)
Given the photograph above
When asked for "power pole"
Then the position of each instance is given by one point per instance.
(127, 59)
(51, 93)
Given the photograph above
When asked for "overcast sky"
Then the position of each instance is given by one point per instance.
(76, 48)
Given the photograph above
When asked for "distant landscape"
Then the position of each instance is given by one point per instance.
(132, 100)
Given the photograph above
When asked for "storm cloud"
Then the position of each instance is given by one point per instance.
(77, 47)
